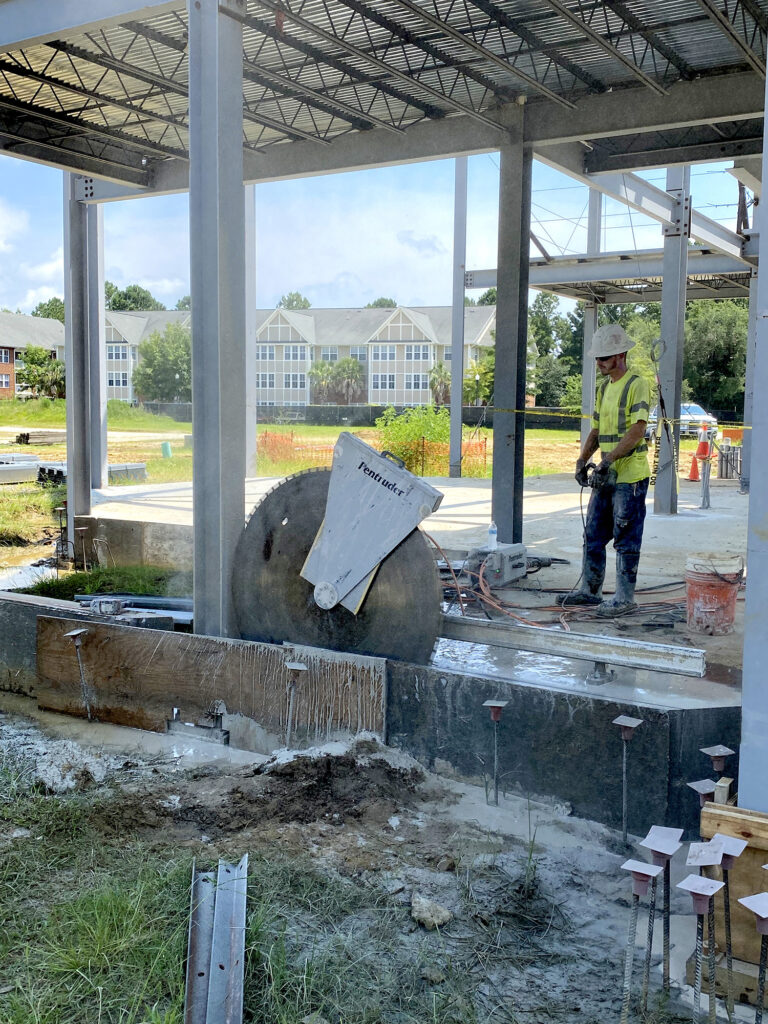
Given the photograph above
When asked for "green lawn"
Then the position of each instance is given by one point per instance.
(52, 412)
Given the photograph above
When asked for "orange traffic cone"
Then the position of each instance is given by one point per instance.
(702, 452)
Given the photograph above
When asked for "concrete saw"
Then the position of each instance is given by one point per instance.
(399, 616)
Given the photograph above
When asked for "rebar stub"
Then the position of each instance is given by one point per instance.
(663, 843)
(701, 889)
(705, 788)
(642, 873)
(758, 904)
(718, 754)
(496, 706)
(627, 725)
(732, 848)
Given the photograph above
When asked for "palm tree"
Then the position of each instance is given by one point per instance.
(348, 379)
(321, 377)
(440, 383)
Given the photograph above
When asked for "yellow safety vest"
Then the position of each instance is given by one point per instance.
(618, 406)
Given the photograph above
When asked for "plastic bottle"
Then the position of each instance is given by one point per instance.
(493, 534)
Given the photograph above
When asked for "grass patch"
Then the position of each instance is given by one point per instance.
(140, 579)
(25, 512)
(52, 412)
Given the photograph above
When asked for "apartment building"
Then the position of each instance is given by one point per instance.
(16, 332)
(396, 347)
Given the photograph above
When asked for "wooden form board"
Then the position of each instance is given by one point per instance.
(137, 676)
(746, 877)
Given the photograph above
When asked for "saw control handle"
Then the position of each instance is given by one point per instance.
(393, 458)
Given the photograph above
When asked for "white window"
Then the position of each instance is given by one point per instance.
(447, 355)
(124, 380)
(383, 382)
(329, 353)
(265, 351)
(134, 353)
(417, 352)
(383, 352)
(5, 380)
(294, 381)
(18, 357)
(5, 355)
(115, 379)
(116, 352)
(293, 353)
(359, 352)
(263, 402)
(417, 382)
(265, 380)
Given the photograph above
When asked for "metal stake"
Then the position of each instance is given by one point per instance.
(628, 958)
(295, 669)
(697, 979)
(649, 946)
(496, 707)
(728, 944)
(665, 925)
(761, 979)
(76, 636)
(712, 967)
(627, 726)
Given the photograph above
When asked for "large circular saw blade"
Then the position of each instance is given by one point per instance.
(399, 618)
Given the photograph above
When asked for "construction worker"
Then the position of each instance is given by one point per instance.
(620, 482)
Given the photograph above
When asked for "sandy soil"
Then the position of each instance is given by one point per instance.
(537, 903)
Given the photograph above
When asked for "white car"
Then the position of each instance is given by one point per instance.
(691, 417)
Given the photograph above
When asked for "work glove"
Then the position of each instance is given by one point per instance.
(581, 473)
(604, 474)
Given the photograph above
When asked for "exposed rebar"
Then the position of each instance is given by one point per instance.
(712, 968)
(761, 979)
(665, 954)
(697, 977)
(728, 944)
(629, 958)
(83, 687)
(649, 945)
(496, 763)
(624, 790)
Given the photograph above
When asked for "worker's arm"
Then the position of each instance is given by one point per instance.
(627, 444)
(590, 445)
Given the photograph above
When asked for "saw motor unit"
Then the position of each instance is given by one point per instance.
(503, 564)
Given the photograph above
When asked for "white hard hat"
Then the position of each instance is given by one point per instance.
(610, 340)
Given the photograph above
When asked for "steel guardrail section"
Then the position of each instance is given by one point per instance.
(684, 661)
(216, 956)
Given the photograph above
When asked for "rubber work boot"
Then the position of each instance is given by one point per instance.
(623, 601)
(578, 597)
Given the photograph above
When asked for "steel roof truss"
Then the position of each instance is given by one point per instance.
(354, 77)
(741, 23)
(535, 44)
(653, 40)
(466, 41)
(608, 45)
(370, 58)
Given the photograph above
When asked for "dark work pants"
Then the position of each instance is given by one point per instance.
(615, 512)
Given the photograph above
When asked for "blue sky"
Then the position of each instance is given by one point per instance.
(341, 240)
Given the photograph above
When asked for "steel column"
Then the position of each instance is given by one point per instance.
(76, 359)
(511, 339)
(251, 365)
(217, 244)
(96, 350)
(594, 229)
(753, 765)
(749, 389)
(457, 316)
(672, 333)
(587, 371)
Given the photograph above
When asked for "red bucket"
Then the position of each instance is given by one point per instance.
(712, 584)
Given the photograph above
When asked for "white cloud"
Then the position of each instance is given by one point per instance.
(35, 295)
(51, 269)
(13, 222)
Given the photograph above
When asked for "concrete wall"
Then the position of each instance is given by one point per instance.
(559, 744)
(131, 542)
(18, 637)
